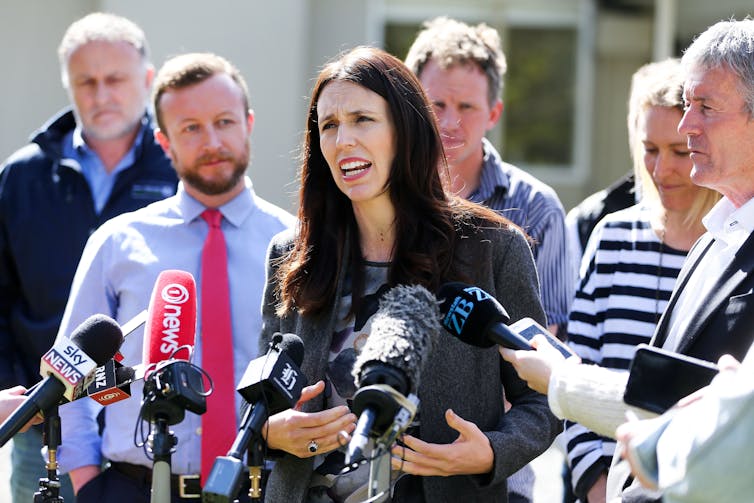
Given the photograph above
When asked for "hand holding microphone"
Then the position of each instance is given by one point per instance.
(67, 369)
(10, 400)
(535, 367)
(271, 383)
(388, 368)
(477, 318)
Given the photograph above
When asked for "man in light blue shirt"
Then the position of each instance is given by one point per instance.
(201, 106)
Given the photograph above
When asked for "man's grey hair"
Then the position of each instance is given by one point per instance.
(730, 45)
(449, 42)
(100, 26)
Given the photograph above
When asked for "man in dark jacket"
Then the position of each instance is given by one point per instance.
(85, 165)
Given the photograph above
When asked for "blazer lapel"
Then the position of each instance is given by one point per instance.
(698, 251)
(738, 270)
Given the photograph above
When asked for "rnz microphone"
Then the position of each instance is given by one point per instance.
(171, 386)
(477, 318)
(67, 369)
(112, 381)
(270, 384)
(388, 367)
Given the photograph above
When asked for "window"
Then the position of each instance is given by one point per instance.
(547, 90)
(538, 92)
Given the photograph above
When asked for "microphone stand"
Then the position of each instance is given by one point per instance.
(224, 482)
(379, 475)
(161, 443)
(255, 458)
(379, 462)
(49, 487)
(172, 388)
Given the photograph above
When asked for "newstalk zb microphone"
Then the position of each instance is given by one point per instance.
(477, 318)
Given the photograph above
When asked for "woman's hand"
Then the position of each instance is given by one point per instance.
(535, 367)
(471, 453)
(299, 432)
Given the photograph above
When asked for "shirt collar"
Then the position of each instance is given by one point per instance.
(491, 178)
(730, 224)
(235, 211)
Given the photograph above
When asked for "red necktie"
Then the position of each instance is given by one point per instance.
(219, 422)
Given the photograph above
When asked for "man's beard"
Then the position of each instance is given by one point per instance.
(212, 188)
(111, 132)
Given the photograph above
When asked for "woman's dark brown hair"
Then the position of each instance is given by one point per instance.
(425, 222)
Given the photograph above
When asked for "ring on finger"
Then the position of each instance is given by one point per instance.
(313, 446)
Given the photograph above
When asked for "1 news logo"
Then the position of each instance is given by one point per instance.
(175, 293)
(174, 296)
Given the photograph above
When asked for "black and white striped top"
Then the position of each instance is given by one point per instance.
(626, 278)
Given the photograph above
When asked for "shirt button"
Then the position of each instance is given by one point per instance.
(199, 431)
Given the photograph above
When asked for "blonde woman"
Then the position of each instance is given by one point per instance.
(633, 256)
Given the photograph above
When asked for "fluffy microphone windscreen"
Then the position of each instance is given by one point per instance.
(403, 329)
(99, 336)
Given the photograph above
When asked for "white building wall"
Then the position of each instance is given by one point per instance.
(279, 47)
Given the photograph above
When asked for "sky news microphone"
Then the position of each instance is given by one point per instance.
(477, 318)
(271, 383)
(67, 368)
(389, 365)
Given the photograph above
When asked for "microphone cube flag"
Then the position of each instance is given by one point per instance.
(275, 379)
(71, 366)
(105, 389)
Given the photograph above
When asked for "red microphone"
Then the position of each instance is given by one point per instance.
(172, 384)
(171, 318)
(169, 326)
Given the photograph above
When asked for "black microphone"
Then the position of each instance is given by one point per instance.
(271, 383)
(112, 381)
(477, 318)
(389, 365)
(67, 368)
